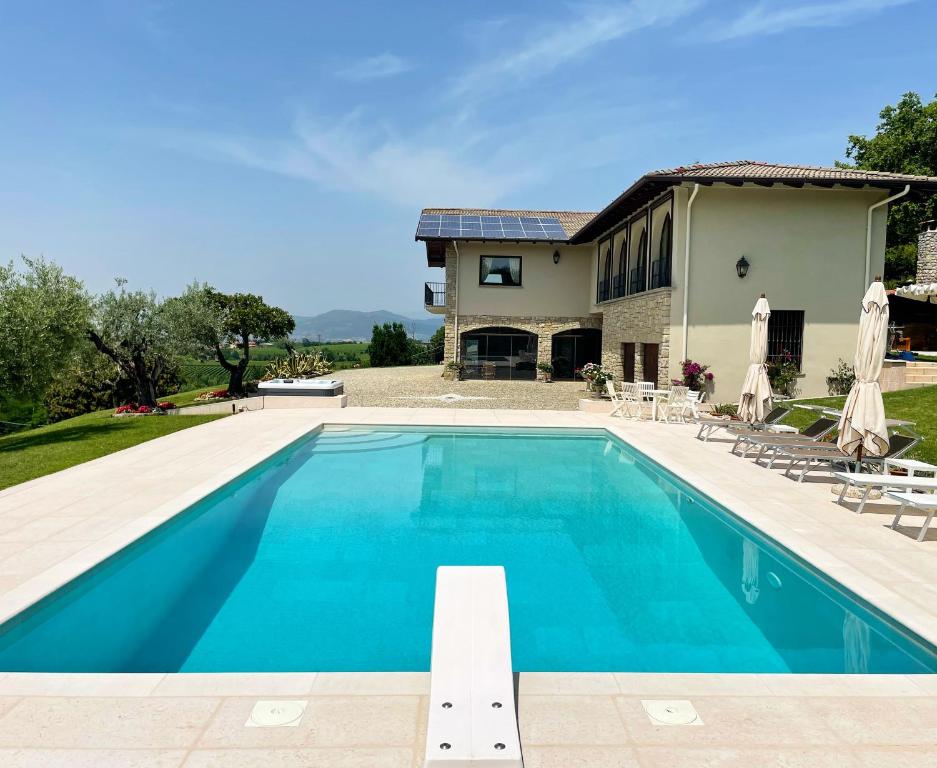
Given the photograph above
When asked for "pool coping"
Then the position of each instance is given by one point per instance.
(656, 441)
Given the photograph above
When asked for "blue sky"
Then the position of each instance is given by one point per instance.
(286, 148)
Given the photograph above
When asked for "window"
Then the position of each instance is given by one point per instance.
(638, 282)
(618, 289)
(606, 285)
(499, 270)
(786, 336)
(660, 267)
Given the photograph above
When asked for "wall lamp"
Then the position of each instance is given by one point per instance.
(741, 267)
(556, 257)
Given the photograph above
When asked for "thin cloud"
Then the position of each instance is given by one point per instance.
(773, 19)
(551, 46)
(344, 155)
(375, 68)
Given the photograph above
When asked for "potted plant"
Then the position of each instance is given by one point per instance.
(595, 376)
(545, 372)
(695, 376)
(454, 370)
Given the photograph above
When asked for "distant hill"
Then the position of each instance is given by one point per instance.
(341, 324)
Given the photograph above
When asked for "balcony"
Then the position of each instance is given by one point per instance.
(434, 298)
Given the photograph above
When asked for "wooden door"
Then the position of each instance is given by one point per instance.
(627, 362)
(650, 362)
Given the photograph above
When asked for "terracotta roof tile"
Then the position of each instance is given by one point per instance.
(753, 169)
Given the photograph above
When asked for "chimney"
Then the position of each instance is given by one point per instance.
(927, 252)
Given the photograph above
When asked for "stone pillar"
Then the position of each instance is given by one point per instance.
(639, 361)
(452, 264)
(927, 252)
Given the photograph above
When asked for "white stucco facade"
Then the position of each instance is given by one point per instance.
(806, 246)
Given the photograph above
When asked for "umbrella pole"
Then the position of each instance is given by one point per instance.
(859, 458)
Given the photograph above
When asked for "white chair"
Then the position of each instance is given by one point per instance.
(622, 405)
(675, 404)
(630, 393)
(645, 390)
(694, 398)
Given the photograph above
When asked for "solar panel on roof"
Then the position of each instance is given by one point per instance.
(475, 226)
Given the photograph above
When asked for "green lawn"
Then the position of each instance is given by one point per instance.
(917, 405)
(38, 452)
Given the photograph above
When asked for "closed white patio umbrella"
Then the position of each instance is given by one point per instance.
(756, 391)
(862, 428)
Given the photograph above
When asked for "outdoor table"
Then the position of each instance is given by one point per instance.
(656, 394)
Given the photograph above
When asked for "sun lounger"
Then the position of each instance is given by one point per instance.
(926, 502)
(869, 480)
(813, 433)
(471, 701)
(829, 456)
(709, 424)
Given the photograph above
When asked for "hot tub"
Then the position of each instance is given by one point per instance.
(302, 387)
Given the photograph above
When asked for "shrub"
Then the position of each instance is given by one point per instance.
(300, 365)
(695, 375)
(783, 373)
(595, 375)
(93, 383)
(545, 367)
(725, 409)
(841, 379)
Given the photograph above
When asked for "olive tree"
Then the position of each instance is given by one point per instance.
(224, 324)
(43, 317)
(141, 334)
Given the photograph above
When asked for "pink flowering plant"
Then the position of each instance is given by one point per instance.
(695, 375)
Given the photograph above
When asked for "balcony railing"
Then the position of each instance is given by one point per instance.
(605, 290)
(434, 296)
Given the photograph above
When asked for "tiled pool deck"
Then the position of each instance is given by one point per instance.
(53, 528)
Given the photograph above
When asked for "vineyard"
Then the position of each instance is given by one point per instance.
(196, 375)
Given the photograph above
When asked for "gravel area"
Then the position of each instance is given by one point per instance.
(423, 387)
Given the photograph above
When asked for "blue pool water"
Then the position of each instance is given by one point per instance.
(324, 558)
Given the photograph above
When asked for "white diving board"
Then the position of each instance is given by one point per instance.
(472, 720)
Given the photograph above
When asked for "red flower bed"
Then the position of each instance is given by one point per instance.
(167, 405)
(140, 409)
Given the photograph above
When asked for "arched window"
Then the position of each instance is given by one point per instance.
(606, 287)
(639, 270)
(619, 286)
(661, 268)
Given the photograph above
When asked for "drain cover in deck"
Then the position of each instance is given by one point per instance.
(677, 712)
(276, 714)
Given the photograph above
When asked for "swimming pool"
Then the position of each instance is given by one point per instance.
(323, 558)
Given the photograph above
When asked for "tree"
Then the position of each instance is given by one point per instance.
(905, 141)
(44, 315)
(240, 319)
(437, 343)
(140, 334)
(390, 346)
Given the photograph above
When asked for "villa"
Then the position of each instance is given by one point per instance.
(667, 271)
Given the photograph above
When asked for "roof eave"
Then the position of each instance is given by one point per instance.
(607, 218)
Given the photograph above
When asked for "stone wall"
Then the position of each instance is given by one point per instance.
(641, 319)
(927, 253)
(545, 327)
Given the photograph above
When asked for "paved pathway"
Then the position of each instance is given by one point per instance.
(424, 387)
